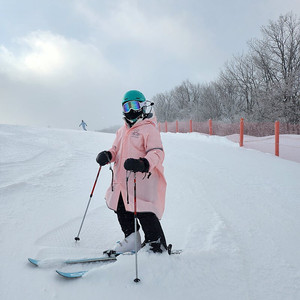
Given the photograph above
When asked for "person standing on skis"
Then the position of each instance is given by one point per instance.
(83, 124)
(137, 148)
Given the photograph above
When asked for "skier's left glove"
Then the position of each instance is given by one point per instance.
(137, 165)
(103, 158)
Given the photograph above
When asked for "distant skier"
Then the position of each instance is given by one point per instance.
(137, 148)
(83, 124)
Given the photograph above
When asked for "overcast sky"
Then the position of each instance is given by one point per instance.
(62, 61)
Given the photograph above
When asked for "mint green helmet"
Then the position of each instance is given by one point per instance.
(133, 95)
(134, 110)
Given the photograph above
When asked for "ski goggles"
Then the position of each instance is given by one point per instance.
(133, 104)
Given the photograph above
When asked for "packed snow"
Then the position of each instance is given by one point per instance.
(234, 212)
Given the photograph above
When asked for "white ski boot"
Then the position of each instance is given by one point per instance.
(126, 245)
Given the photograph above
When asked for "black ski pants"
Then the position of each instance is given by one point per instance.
(148, 221)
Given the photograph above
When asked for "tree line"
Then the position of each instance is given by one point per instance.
(261, 85)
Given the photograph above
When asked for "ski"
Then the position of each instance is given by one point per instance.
(171, 251)
(41, 262)
(178, 251)
(71, 274)
(79, 274)
(34, 261)
(109, 256)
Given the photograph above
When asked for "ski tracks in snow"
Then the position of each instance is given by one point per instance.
(39, 158)
(210, 245)
(234, 230)
(230, 209)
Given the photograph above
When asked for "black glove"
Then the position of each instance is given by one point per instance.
(103, 158)
(136, 165)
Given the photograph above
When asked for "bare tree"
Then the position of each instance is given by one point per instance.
(263, 84)
(229, 97)
(164, 108)
(277, 59)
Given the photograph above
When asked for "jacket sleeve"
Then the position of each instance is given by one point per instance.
(154, 148)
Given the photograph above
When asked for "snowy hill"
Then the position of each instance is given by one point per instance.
(234, 211)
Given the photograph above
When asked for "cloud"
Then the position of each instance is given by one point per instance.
(39, 55)
(154, 45)
(49, 79)
(44, 56)
(61, 61)
(129, 23)
(125, 46)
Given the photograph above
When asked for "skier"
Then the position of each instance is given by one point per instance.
(137, 148)
(83, 124)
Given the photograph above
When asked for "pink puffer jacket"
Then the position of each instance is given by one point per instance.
(141, 140)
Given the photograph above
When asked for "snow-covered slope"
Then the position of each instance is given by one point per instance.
(234, 211)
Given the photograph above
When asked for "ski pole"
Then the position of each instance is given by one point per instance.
(91, 195)
(135, 230)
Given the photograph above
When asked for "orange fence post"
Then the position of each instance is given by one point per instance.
(242, 132)
(166, 126)
(277, 138)
(210, 126)
(176, 126)
(191, 126)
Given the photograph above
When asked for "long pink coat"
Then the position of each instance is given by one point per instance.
(141, 140)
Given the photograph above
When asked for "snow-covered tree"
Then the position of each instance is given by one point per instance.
(277, 59)
(261, 85)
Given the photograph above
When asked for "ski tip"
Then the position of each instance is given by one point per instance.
(177, 251)
(72, 274)
(34, 261)
(172, 251)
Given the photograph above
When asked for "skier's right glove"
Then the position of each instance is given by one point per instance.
(137, 165)
(103, 158)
